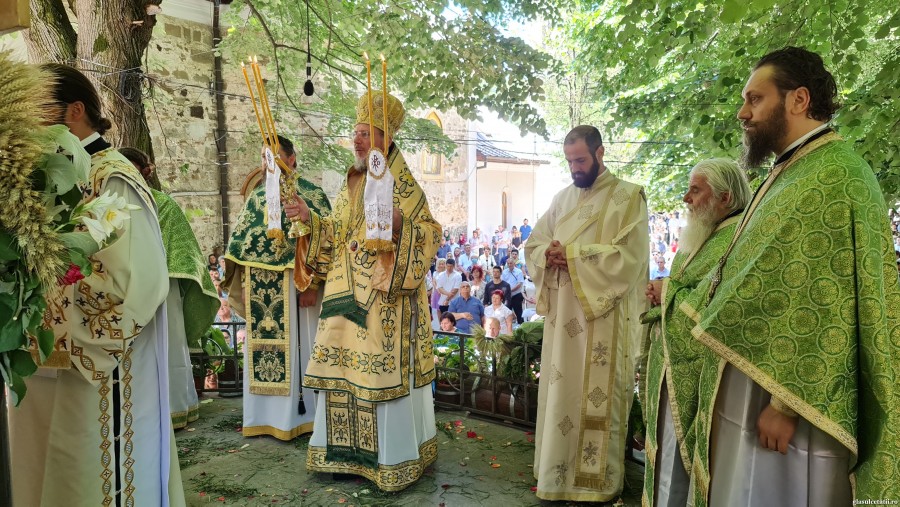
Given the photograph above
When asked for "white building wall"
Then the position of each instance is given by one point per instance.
(518, 181)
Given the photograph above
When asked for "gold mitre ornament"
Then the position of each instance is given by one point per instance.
(395, 111)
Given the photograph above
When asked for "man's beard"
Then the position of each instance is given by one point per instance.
(360, 165)
(581, 180)
(762, 142)
(701, 222)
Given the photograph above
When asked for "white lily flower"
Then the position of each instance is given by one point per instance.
(106, 214)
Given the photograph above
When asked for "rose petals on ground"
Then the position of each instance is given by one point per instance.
(471, 434)
(495, 465)
(534, 488)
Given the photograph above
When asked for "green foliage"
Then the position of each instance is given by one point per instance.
(672, 73)
(214, 344)
(441, 55)
(528, 336)
(446, 349)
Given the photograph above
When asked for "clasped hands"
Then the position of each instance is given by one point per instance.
(556, 256)
(654, 292)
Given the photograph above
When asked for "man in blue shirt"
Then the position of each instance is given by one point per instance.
(525, 230)
(466, 309)
(443, 250)
(516, 280)
(660, 271)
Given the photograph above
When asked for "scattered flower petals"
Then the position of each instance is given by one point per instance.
(462, 463)
(529, 433)
(457, 423)
(305, 491)
(232, 451)
(495, 465)
(342, 500)
(534, 488)
(245, 446)
(480, 438)
(471, 434)
(203, 493)
(221, 499)
(190, 429)
(493, 458)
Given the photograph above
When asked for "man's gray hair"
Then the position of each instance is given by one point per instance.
(724, 175)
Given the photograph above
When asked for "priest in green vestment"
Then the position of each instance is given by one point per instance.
(192, 302)
(799, 404)
(373, 361)
(281, 323)
(717, 193)
(588, 256)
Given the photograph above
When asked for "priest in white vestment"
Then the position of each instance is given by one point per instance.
(587, 254)
(95, 429)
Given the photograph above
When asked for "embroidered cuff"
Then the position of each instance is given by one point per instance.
(782, 407)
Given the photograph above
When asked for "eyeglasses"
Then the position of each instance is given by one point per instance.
(362, 134)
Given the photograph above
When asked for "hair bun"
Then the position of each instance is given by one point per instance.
(103, 124)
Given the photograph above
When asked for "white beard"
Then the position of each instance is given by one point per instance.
(360, 165)
(701, 222)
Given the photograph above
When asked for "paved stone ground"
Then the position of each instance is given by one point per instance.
(221, 467)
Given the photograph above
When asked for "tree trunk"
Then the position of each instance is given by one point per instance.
(111, 40)
(51, 37)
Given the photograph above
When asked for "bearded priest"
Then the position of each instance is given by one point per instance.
(716, 196)
(799, 403)
(373, 360)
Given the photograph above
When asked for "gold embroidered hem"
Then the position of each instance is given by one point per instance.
(181, 419)
(805, 410)
(386, 477)
(255, 431)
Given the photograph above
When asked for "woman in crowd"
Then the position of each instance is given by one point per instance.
(436, 296)
(516, 237)
(477, 282)
(448, 323)
(500, 312)
(213, 262)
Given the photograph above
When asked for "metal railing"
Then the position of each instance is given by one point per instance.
(473, 381)
(231, 378)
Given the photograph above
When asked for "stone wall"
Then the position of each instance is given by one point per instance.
(447, 194)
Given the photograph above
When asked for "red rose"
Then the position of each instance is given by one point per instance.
(71, 276)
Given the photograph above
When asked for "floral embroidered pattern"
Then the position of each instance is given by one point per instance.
(600, 354)
(562, 471)
(589, 453)
(585, 212)
(607, 302)
(565, 426)
(573, 327)
(597, 397)
(269, 368)
(620, 196)
(555, 375)
(353, 360)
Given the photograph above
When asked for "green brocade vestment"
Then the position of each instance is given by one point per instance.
(809, 308)
(258, 282)
(675, 358)
(186, 262)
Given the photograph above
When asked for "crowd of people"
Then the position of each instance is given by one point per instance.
(764, 325)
